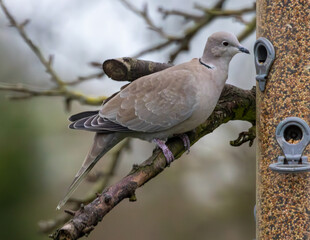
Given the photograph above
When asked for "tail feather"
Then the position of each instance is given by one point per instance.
(81, 115)
(102, 144)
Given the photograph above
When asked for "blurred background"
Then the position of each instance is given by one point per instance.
(207, 194)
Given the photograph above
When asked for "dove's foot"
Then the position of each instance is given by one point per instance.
(186, 141)
(166, 151)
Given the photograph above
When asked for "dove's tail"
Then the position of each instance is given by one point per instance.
(102, 144)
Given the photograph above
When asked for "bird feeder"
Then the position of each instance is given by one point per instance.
(282, 60)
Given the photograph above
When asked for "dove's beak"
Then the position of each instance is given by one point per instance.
(243, 49)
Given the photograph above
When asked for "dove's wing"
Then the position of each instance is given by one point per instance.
(155, 102)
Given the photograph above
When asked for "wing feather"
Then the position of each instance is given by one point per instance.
(154, 103)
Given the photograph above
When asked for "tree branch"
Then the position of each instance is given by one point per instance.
(129, 69)
(244, 137)
(249, 28)
(212, 11)
(85, 78)
(54, 92)
(234, 104)
(226, 13)
(185, 15)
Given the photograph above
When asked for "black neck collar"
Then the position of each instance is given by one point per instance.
(206, 65)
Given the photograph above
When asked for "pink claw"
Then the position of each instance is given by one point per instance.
(186, 141)
(166, 151)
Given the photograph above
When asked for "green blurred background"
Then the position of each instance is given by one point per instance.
(208, 194)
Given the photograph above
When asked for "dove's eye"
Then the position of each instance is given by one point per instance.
(225, 43)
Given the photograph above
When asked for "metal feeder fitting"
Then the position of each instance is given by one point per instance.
(264, 56)
(293, 136)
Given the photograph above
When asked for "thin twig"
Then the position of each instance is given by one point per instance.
(61, 86)
(145, 15)
(154, 48)
(20, 28)
(85, 78)
(192, 31)
(28, 92)
(183, 42)
(21, 88)
(226, 12)
(187, 16)
(247, 136)
(248, 30)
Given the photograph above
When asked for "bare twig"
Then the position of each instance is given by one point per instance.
(85, 78)
(244, 137)
(212, 11)
(21, 88)
(60, 88)
(226, 13)
(144, 14)
(248, 30)
(187, 16)
(183, 42)
(96, 64)
(154, 48)
(28, 92)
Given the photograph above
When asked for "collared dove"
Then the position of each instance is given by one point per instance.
(160, 105)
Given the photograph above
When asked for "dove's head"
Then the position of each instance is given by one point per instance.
(222, 45)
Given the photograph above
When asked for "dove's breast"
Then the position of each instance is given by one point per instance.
(207, 95)
(207, 98)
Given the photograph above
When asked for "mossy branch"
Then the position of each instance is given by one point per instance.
(234, 104)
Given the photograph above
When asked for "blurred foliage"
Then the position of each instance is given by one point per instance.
(19, 171)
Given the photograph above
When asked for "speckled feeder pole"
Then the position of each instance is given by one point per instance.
(283, 199)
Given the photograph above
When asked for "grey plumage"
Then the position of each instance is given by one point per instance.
(160, 105)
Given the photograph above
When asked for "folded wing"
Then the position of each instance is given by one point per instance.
(152, 103)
